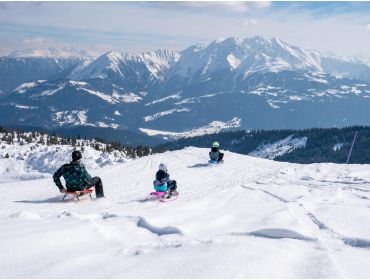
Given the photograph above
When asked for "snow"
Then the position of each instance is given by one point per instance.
(270, 90)
(25, 86)
(103, 96)
(115, 58)
(49, 92)
(115, 98)
(117, 113)
(337, 147)
(295, 98)
(128, 97)
(247, 56)
(219, 40)
(196, 99)
(279, 148)
(164, 113)
(75, 72)
(212, 127)
(78, 83)
(152, 63)
(173, 96)
(316, 77)
(248, 218)
(25, 107)
(32, 161)
(355, 90)
(233, 61)
(143, 93)
(74, 117)
(103, 124)
(272, 104)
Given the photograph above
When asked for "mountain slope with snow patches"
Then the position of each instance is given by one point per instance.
(266, 83)
(247, 218)
(279, 148)
(145, 66)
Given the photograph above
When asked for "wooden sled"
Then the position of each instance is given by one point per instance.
(78, 193)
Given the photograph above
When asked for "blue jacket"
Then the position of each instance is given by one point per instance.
(160, 182)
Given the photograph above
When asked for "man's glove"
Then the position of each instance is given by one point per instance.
(64, 190)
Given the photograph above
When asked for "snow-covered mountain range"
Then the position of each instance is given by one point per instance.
(261, 83)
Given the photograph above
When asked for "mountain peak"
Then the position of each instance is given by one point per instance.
(219, 40)
(152, 63)
(246, 56)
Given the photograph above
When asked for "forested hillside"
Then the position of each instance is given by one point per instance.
(316, 145)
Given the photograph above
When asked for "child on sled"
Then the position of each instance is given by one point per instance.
(162, 182)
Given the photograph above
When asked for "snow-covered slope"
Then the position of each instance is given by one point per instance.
(249, 217)
(213, 127)
(145, 66)
(279, 148)
(16, 70)
(28, 161)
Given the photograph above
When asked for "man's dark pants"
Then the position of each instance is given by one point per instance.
(96, 181)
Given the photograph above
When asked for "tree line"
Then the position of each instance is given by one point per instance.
(323, 144)
(15, 136)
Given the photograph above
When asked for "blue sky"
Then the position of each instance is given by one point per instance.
(340, 27)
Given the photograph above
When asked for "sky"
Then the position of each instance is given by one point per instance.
(98, 27)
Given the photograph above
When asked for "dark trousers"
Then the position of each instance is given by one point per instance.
(96, 181)
(172, 185)
(220, 157)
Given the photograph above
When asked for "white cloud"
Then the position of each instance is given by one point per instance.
(147, 26)
(368, 26)
(5, 51)
(262, 4)
(225, 6)
(249, 22)
(38, 40)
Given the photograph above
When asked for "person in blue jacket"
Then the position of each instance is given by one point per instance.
(162, 182)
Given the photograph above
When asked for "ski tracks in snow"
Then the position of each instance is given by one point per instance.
(325, 238)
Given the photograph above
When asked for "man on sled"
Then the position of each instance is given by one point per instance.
(78, 180)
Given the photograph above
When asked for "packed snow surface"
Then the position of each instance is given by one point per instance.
(249, 217)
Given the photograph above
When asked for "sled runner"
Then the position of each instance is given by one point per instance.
(215, 162)
(163, 196)
(77, 194)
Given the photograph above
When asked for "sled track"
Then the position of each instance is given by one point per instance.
(325, 232)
